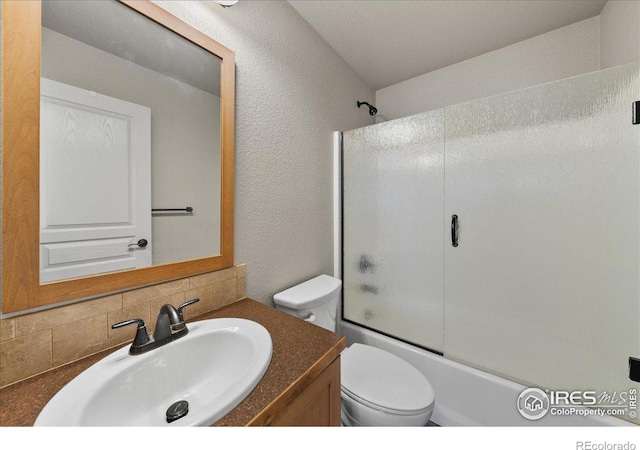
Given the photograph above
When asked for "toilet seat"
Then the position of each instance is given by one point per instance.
(384, 382)
(380, 408)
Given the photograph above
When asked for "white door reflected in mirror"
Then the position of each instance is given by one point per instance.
(108, 51)
(95, 183)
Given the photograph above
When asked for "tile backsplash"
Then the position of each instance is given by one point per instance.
(40, 341)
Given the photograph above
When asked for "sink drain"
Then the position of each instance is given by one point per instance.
(178, 410)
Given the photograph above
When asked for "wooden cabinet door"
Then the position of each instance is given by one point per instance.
(318, 404)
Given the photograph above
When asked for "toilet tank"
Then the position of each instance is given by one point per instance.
(315, 301)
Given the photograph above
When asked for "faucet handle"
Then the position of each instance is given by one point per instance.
(142, 337)
(184, 305)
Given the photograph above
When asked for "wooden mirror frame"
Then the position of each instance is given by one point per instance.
(21, 288)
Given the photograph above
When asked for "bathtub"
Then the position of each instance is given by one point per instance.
(466, 396)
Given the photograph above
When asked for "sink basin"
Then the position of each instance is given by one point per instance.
(213, 368)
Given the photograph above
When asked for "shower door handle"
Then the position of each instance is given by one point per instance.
(454, 230)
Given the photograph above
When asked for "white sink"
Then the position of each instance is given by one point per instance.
(213, 368)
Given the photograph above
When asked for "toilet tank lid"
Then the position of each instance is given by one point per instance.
(311, 293)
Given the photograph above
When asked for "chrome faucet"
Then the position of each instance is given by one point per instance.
(169, 327)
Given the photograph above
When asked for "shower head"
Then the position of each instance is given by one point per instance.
(372, 109)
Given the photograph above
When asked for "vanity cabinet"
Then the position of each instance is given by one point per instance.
(317, 405)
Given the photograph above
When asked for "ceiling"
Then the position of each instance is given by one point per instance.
(387, 42)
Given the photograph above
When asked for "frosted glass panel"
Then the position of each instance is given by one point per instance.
(544, 285)
(393, 241)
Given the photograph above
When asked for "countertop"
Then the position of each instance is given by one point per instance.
(300, 352)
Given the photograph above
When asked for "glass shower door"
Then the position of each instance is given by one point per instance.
(393, 242)
(543, 286)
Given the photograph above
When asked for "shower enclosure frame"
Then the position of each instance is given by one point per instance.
(605, 92)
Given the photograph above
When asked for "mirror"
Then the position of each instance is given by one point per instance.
(129, 142)
(135, 118)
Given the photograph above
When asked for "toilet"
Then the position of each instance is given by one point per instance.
(377, 387)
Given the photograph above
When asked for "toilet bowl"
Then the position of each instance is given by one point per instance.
(381, 389)
(377, 387)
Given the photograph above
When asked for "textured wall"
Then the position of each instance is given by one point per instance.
(562, 53)
(292, 92)
(619, 33)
